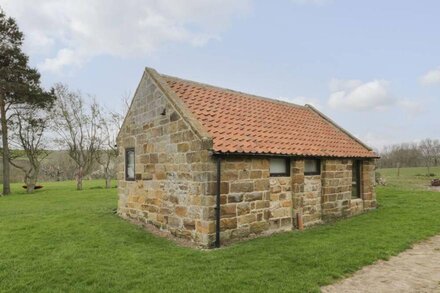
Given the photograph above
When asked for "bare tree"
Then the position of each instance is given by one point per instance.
(404, 155)
(78, 127)
(27, 135)
(125, 101)
(58, 166)
(430, 150)
(110, 125)
(436, 153)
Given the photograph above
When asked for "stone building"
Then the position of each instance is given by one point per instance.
(213, 165)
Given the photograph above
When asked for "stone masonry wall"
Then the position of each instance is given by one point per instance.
(336, 184)
(281, 203)
(312, 200)
(368, 182)
(306, 194)
(172, 169)
(252, 202)
(297, 175)
(336, 179)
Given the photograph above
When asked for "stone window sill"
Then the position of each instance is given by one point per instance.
(356, 200)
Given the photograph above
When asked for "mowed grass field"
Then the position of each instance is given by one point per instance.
(410, 178)
(63, 240)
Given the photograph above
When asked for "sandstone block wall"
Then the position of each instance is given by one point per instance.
(306, 194)
(368, 182)
(312, 200)
(336, 195)
(336, 192)
(252, 202)
(172, 169)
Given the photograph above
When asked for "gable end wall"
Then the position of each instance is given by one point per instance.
(172, 168)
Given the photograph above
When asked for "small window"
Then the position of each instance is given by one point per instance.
(279, 167)
(129, 164)
(356, 179)
(312, 167)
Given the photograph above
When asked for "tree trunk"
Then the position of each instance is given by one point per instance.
(79, 180)
(58, 176)
(30, 185)
(30, 180)
(79, 183)
(108, 182)
(4, 130)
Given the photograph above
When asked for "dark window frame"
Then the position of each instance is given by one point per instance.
(358, 165)
(127, 151)
(284, 174)
(318, 167)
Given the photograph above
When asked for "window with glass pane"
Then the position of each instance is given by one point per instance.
(312, 167)
(356, 179)
(129, 164)
(279, 167)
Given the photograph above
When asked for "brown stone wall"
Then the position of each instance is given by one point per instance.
(312, 200)
(368, 182)
(336, 187)
(253, 203)
(306, 194)
(356, 206)
(172, 168)
(297, 175)
(336, 184)
(281, 212)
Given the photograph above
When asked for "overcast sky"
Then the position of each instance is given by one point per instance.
(372, 66)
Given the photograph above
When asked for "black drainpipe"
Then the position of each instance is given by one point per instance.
(217, 207)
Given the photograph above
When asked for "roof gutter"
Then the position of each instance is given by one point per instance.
(216, 153)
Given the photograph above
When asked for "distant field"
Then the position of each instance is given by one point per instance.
(412, 178)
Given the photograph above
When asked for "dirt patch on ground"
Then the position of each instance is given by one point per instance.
(414, 270)
(434, 188)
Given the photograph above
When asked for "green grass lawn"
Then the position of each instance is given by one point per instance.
(60, 240)
(410, 178)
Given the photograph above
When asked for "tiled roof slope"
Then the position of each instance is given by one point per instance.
(242, 123)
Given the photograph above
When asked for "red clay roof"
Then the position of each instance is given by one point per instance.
(242, 123)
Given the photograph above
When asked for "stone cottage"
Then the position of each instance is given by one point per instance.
(213, 165)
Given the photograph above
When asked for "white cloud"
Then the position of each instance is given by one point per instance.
(64, 57)
(78, 30)
(358, 96)
(431, 77)
(355, 95)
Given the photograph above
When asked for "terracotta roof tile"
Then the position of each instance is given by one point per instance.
(242, 123)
